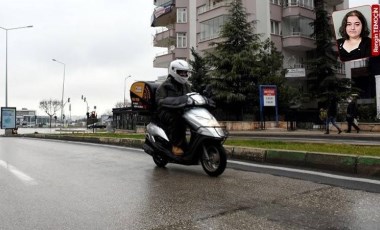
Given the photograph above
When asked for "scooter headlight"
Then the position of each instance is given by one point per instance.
(207, 121)
(212, 132)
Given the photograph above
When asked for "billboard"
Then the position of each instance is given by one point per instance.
(8, 117)
(269, 96)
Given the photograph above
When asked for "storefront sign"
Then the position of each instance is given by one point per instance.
(296, 72)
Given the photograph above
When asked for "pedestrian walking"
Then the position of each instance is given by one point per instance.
(332, 112)
(352, 115)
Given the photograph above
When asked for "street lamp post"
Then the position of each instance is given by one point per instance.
(85, 100)
(125, 82)
(87, 114)
(63, 87)
(6, 58)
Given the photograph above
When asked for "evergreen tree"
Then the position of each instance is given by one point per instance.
(240, 63)
(198, 72)
(233, 61)
(322, 80)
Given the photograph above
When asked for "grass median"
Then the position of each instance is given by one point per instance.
(360, 150)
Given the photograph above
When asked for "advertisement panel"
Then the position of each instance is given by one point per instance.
(8, 117)
(269, 96)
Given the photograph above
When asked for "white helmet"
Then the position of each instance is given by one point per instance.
(179, 70)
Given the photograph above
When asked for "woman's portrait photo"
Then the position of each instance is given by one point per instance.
(352, 31)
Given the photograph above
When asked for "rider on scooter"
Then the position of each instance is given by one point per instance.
(170, 98)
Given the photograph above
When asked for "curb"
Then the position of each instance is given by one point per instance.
(360, 165)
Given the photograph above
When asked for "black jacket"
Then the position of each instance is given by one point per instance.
(363, 51)
(332, 110)
(352, 111)
(171, 94)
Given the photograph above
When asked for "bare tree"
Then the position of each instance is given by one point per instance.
(120, 104)
(50, 107)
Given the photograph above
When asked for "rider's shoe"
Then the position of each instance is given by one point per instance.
(177, 151)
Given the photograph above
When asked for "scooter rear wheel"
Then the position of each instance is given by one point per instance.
(159, 161)
(213, 159)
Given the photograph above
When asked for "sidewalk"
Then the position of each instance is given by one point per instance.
(302, 133)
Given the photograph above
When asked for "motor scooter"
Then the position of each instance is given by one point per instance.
(204, 143)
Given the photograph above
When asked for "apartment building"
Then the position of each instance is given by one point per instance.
(182, 24)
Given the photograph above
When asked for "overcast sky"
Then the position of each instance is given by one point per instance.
(101, 42)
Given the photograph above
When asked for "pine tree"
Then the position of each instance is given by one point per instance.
(198, 72)
(233, 60)
(322, 80)
(240, 63)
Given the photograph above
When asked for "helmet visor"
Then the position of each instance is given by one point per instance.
(182, 73)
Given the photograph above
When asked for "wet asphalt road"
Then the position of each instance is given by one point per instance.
(63, 185)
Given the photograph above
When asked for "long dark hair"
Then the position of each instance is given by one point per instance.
(365, 30)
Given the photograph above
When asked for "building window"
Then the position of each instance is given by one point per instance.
(210, 29)
(297, 26)
(181, 40)
(275, 27)
(202, 9)
(276, 2)
(181, 15)
(299, 3)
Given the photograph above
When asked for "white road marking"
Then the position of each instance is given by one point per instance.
(20, 175)
(377, 182)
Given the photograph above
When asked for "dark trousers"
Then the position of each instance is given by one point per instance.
(174, 125)
(350, 123)
(333, 122)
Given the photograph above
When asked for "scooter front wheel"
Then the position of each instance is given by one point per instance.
(213, 159)
(159, 161)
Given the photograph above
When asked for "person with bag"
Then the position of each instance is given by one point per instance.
(352, 115)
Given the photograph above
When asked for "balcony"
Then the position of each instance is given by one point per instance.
(164, 38)
(334, 2)
(217, 4)
(298, 42)
(164, 15)
(163, 2)
(298, 11)
(359, 67)
(307, 4)
(162, 60)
